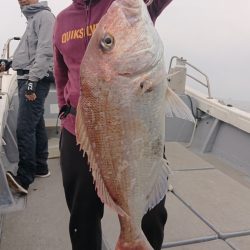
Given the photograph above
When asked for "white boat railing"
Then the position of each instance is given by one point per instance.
(6, 48)
(181, 62)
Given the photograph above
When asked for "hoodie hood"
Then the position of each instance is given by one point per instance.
(30, 10)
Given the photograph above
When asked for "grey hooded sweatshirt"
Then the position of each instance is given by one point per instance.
(35, 52)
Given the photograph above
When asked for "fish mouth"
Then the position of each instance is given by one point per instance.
(131, 9)
(130, 4)
(143, 55)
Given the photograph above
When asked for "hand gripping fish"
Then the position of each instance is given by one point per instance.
(120, 121)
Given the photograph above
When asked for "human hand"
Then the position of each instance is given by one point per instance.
(148, 2)
(4, 65)
(30, 90)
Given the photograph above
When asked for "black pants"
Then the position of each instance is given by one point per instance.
(86, 209)
(31, 133)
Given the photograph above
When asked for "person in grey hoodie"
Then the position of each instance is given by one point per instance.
(33, 62)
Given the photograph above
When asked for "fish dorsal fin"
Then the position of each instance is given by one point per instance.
(83, 141)
(160, 187)
(175, 107)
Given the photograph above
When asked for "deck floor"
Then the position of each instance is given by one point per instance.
(208, 209)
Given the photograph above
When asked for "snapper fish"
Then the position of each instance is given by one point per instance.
(120, 121)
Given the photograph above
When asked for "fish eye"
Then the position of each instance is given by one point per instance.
(107, 42)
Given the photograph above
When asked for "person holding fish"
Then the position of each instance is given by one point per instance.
(92, 42)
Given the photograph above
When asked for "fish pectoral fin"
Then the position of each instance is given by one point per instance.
(175, 107)
(160, 187)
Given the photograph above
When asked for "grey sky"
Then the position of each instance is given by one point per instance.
(213, 35)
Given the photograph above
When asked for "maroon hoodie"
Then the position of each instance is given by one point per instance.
(73, 29)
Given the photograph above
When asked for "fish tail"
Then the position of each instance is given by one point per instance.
(140, 243)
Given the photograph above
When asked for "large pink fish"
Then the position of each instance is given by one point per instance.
(121, 115)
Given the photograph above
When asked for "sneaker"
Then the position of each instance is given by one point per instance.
(43, 174)
(15, 183)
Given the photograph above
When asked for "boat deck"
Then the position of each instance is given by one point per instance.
(208, 209)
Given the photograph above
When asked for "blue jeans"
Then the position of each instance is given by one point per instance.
(32, 137)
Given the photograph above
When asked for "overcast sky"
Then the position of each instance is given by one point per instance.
(213, 35)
